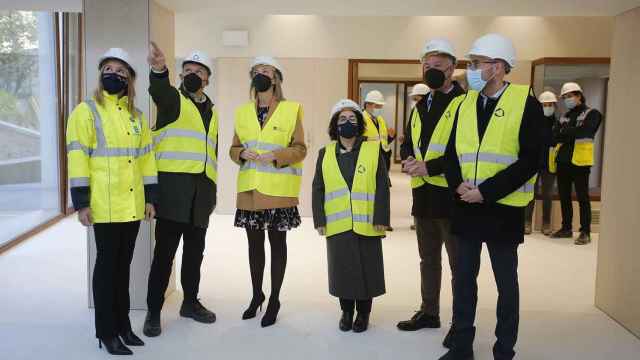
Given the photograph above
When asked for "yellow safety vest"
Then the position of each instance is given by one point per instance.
(351, 210)
(500, 145)
(109, 150)
(582, 149)
(185, 146)
(275, 135)
(437, 144)
(376, 134)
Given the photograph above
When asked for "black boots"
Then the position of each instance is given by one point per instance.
(346, 321)
(271, 314)
(583, 239)
(131, 339)
(151, 326)
(361, 324)
(448, 340)
(256, 303)
(420, 321)
(197, 312)
(457, 355)
(114, 346)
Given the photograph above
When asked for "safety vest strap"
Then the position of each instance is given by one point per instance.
(486, 157)
(270, 168)
(263, 146)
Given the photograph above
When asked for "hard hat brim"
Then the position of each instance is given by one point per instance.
(103, 60)
(197, 63)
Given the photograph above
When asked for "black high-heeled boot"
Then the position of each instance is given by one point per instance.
(361, 324)
(131, 339)
(271, 314)
(256, 303)
(114, 346)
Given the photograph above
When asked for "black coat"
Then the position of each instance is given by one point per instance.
(567, 132)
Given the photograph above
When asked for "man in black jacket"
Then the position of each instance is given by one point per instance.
(186, 199)
(490, 202)
(432, 202)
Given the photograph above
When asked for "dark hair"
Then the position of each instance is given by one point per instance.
(333, 124)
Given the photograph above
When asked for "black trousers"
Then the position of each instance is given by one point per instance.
(168, 234)
(115, 243)
(363, 306)
(578, 176)
(545, 183)
(504, 261)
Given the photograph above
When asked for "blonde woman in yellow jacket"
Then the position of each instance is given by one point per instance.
(112, 173)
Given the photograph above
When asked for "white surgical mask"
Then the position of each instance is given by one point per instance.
(570, 103)
(549, 110)
(475, 80)
(376, 112)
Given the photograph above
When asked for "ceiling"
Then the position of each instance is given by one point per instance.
(406, 7)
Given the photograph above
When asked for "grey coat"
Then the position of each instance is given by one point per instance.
(355, 262)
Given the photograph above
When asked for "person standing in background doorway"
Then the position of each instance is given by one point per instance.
(418, 92)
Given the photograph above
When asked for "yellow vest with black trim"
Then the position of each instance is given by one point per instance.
(500, 144)
(351, 210)
(582, 148)
(110, 151)
(185, 146)
(437, 144)
(373, 133)
(277, 134)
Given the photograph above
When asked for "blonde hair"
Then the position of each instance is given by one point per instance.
(98, 94)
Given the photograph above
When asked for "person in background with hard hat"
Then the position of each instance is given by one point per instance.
(112, 173)
(574, 158)
(418, 92)
(423, 160)
(492, 158)
(269, 146)
(545, 177)
(185, 142)
(376, 129)
(350, 203)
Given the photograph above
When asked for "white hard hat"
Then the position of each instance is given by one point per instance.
(199, 58)
(118, 54)
(438, 46)
(570, 87)
(374, 97)
(547, 97)
(345, 104)
(419, 89)
(495, 46)
(266, 60)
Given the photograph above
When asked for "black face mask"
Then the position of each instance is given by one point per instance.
(434, 78)
(261, 83)
(113, 83)
(348, 130)
(192, 83)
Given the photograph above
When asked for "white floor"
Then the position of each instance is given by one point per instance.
(44, 314)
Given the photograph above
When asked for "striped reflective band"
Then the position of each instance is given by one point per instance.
(169, 133)
(76, 145)
(336, 194)
(437, 148)
(487, 157)
(79, 181)
(269, 168)
(526, 188)
(211, 162)
(363, 196)
(339, 216)
(258, 145)
(584, 141)
(147, 180)
(373, 138)
(416, 150)
(363, 218)
(180, 155)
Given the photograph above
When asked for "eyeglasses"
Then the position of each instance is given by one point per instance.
(475, 64)
(344, 119)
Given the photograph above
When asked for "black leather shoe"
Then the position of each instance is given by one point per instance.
(151, 326)
(419, 320)
(346, 321)
(583, 239)
(562, 234)
(197, 312)
(131, 339)
(448, 339)
(361, 324)
(271, 314)
(457, 355)
(114, 346)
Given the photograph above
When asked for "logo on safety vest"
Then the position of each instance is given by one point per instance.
(499, 113)
(361, 169)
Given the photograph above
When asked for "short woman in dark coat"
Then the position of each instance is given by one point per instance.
(356, 270)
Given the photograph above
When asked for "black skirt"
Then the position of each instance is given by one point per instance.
(282, 219)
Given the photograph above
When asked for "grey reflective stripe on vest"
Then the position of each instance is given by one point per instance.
(584, 141)
(147, 180)
(336, 194)
(258, 145)
(363, 196)
(363, 218)
(97, 124)
(76, 145)
(79, 181)
(526, 188)
(373, 138)
(416, 150)
(101, 149)
(339, 216)
(180, 155)
(487, 157)
(437, 148)
(211, 142)
(269, 168)
(211, 162)
(169, 133)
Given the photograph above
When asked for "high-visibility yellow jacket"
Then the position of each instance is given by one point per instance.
(110, 150)
(373, 133)
(582, 149)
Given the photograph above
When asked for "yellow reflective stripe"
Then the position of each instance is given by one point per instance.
(79, 181)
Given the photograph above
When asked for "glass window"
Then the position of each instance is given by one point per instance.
(29, 177)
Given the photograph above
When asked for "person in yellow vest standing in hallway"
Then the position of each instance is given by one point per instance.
(112, 173)
(492, 158)
(185, 142)
(423, 160)
(418, 92)
(350, 203)
(376, 127)
(269, 146)
(573, 158)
